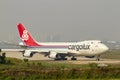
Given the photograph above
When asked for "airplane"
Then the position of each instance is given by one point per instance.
(60, 50)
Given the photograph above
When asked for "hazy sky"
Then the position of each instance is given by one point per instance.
(61, 20)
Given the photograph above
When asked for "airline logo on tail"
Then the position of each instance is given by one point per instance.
(26, 37)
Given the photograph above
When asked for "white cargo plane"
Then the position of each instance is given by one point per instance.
(60, 50)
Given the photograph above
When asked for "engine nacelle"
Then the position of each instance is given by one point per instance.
(52, 54)
(27, 53)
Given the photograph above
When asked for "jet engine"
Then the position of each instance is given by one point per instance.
(52, 54)
(27, 53)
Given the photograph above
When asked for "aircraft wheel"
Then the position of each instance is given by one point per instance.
(57, 59)
(73, 58)
(65, 58)
(98, 58)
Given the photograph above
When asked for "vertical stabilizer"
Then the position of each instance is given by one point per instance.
(25, 36)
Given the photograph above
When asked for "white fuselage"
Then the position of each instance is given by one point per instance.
(83, 48)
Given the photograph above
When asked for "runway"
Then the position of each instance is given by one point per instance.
(80, 60)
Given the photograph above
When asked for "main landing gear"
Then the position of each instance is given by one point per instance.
(63, 57)
(60, 57)
(73, 58)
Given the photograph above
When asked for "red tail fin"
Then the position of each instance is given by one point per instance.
(26, 37)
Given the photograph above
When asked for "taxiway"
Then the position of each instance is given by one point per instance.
(81, 60)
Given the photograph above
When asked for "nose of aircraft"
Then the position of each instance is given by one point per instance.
(105, 48)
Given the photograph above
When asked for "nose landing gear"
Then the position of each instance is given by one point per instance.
(98, 58)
